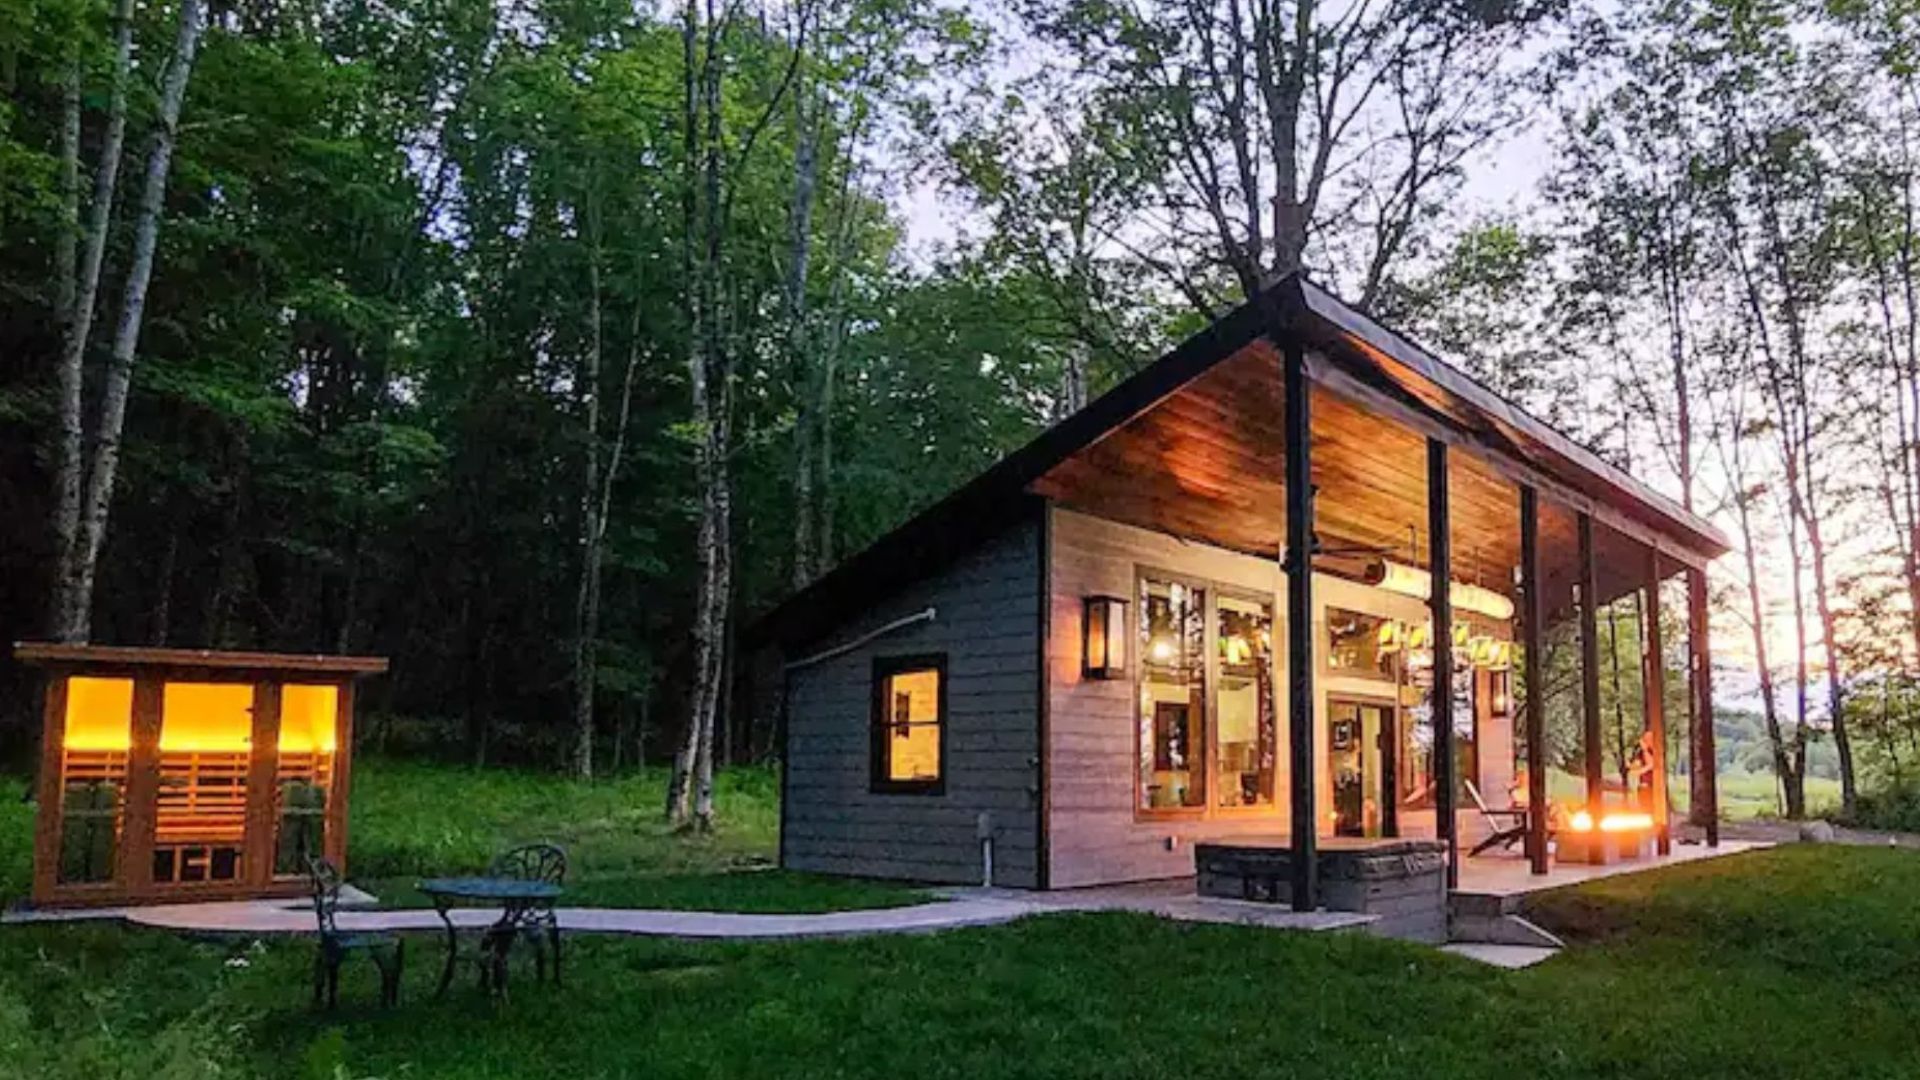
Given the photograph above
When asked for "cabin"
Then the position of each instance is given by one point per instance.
(1205, 609)
(177, 774)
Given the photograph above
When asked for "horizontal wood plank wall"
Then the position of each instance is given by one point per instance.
(988, 627)
(1093, 835)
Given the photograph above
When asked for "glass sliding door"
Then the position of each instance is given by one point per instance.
(1362, 757)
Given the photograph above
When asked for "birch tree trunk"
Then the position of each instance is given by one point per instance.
(126, 339)
(690, 793)
(586, 622)
(799, 259)
(72, 596)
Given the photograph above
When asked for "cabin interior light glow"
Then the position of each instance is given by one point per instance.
(1105, 644)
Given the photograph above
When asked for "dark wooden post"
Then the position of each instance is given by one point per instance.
(1590, 674)
(263, 774)
(139, 812)
(1706, 787)
(52, 793)
(1299, 569)
(1533, 623)
(1440, 603)
(1655, 700)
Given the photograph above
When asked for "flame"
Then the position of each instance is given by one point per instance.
(1582, 821)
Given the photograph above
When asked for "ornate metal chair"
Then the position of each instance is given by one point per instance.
(388, 951)
(535, 922)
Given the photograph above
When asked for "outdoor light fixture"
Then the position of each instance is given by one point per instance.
(1417, 583)
(1105, 632)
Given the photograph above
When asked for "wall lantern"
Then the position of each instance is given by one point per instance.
(1105, 633)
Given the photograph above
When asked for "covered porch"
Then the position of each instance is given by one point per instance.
(1363, 470)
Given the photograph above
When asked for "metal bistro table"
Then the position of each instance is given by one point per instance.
(522, 904)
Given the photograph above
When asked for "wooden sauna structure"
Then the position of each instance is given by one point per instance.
(177, 774)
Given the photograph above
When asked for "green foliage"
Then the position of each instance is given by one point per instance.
(358, 419)
(1895, 806)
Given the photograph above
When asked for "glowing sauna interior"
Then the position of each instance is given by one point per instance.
(170, 773)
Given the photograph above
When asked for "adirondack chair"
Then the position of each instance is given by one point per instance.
(1504, 827)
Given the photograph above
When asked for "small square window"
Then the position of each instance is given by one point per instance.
(909, 724)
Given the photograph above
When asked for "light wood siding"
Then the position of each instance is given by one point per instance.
(1092, 831)
(987, 625)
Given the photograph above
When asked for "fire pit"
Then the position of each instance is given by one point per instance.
(1616, 836)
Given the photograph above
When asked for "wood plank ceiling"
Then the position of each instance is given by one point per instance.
(1207, 464)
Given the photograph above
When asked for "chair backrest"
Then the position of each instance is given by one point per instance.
(1474, 794)
(531, 862)
(325, 879)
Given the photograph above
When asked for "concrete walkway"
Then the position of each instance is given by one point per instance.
(956, 908)
(260, 917)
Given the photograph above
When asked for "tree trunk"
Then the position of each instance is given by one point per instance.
(586, 612)
(799, 258)
(113, 405)
(1784, 766)
(160, 626)
(68, 613)
(690, 794)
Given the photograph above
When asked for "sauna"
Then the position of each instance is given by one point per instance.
(175, 774)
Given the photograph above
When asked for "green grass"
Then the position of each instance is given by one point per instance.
(1798, 962)
(411, 820)
(1743, 795)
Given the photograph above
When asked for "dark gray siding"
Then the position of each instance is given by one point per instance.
(987, 624)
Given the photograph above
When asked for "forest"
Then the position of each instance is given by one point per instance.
(541, 344)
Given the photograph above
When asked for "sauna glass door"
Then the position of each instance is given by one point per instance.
(96, 737)
(200, 805)
(303, 775)
(1360, 758)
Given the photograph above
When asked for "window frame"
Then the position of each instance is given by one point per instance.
(1142, 574)
(879, 755)
(1214, 590)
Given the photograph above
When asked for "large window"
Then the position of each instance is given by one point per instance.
(1243, 710)
(200, 820)
(1173, 682)
(909, 724)
(1361, 645)
(1416, 766)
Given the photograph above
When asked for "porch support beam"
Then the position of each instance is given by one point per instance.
(1299, 569)
(1440, 603)
(1655, 699)
(1533, 624)
(1705, 808)
(1590, 675)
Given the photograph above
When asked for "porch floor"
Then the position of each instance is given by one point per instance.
(1508, 876)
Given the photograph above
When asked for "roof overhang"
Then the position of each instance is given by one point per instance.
(1350, 354)
(61, 655)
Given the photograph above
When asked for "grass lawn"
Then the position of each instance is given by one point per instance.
(1743, 795)
(1798, 962)
(413, 820)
